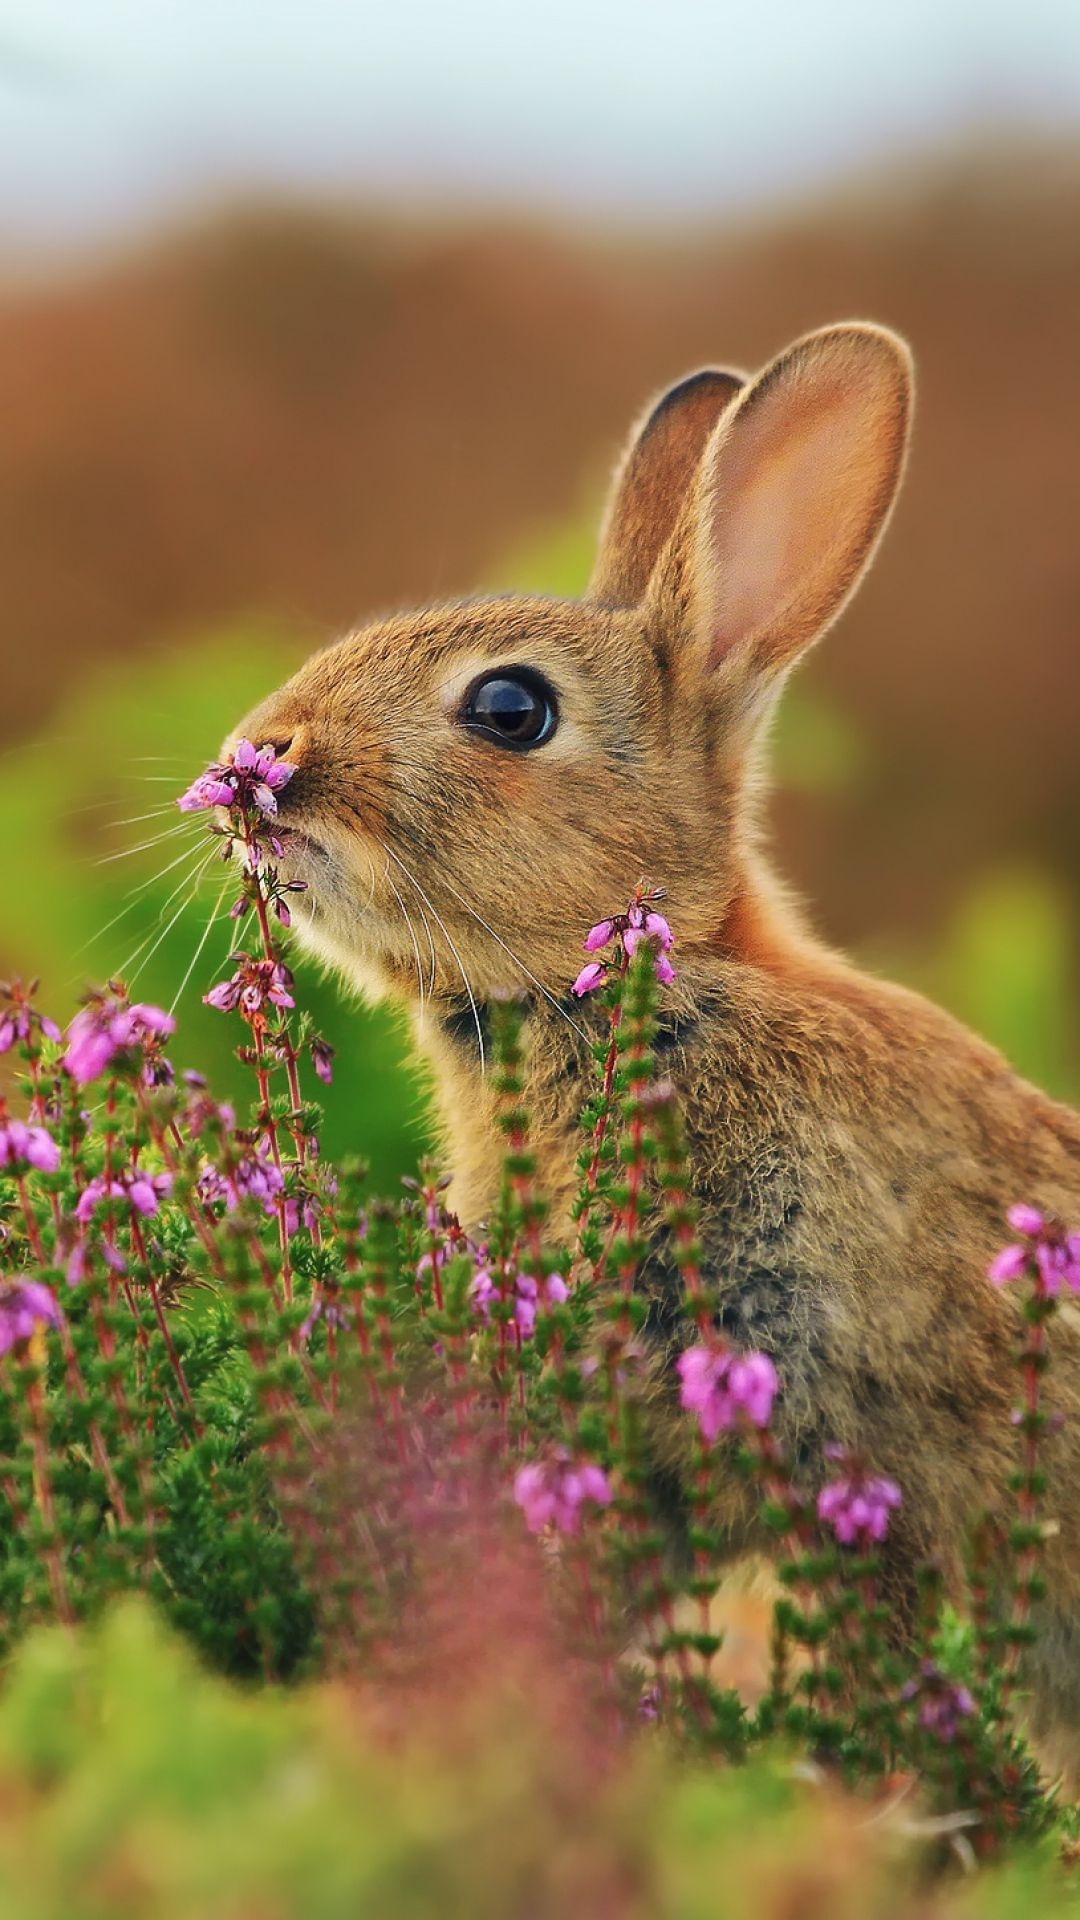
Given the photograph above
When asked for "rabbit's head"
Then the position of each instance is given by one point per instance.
(478, 782)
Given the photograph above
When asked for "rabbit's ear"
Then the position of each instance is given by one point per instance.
(652, 481)
(792, 495)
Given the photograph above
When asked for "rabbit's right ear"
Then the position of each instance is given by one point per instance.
(790, 500)
(652, 481)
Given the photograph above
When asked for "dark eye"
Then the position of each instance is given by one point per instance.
(515, 707)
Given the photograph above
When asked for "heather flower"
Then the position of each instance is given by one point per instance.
(322, 1059)
(108, 1027)
(726, 1390)
(21, 1145)
(589, 979)
(526, 1295)
(332, 1312)
(944, 1703)
(253, 780)
(553, 1492)
(142, 1191)
(857, 1507)
(255, 1177)
(17, 1024)
(647, 926)
(1046, 1251)
(25, 1305)
(256, 985)
(600, 936)
(639, 923)
(482, 1291)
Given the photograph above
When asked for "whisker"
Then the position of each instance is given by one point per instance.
(412, 936)
(517, 960)
(132, 896)
(155, 840)
(191, 881)
(414, 883)
(207, 931)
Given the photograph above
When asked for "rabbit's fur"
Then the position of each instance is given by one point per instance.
(853, 1148)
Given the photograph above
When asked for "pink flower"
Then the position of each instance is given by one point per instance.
(1047, 1251)
(331, 1311)
(256, 985)
(857, 1507)
(647, 926)
(944, 1703)
(18, 1023)
(322, 1059)
(107, 1027)
(35, 1146)
(1010, 1264)
(553, 1492)
(599, 936)
(24, 1306)
(142, 1191)
(256, 1177)
(253, 781)
(589, 979)
(726, 1390)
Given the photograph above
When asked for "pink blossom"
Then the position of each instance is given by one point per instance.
(1047, 1251)
(553, 1492)
(33, 1145)
(1010, 1264)
(857, 1507)
(24, 1306)
(482, 1291)
(726, 1389)
(107, 1027)
(18, 1023)
(589, 979)
(253, 780)
(255, 1177)
(142, 1191)
(256, 985)
(599, 936)
(331, 1311)
(322, 1059)
(944, 1703)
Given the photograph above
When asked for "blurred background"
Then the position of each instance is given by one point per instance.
(310, 309)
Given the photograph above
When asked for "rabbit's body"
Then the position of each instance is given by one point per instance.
(477, 784)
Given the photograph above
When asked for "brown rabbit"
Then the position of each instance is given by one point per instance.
(479, 782)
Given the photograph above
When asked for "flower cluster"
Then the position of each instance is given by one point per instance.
(553, 1492)
(251, 780)
(726, 1389)
(109, 1026)
(25, 1305)
(256, 985)
(943, 1703)
(22, 1020)
(1046, 1252)
(639, 924)
(142, 1192)
(27, 1146)
(857, 1506)
(526, 1291)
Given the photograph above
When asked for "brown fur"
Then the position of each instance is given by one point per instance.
(853, 1148)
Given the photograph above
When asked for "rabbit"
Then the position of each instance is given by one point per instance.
(479, 782)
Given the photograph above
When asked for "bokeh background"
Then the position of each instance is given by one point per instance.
(311, 309)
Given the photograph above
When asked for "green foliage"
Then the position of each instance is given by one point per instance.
(136, 1785)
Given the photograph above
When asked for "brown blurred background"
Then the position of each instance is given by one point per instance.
(284, 415)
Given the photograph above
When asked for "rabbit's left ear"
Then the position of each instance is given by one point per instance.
(790, 500)
(652, 481)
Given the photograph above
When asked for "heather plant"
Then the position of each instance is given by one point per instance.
(308, 1420)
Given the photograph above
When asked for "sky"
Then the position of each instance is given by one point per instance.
(117, 114)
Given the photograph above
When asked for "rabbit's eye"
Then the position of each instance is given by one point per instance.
(515, 707)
